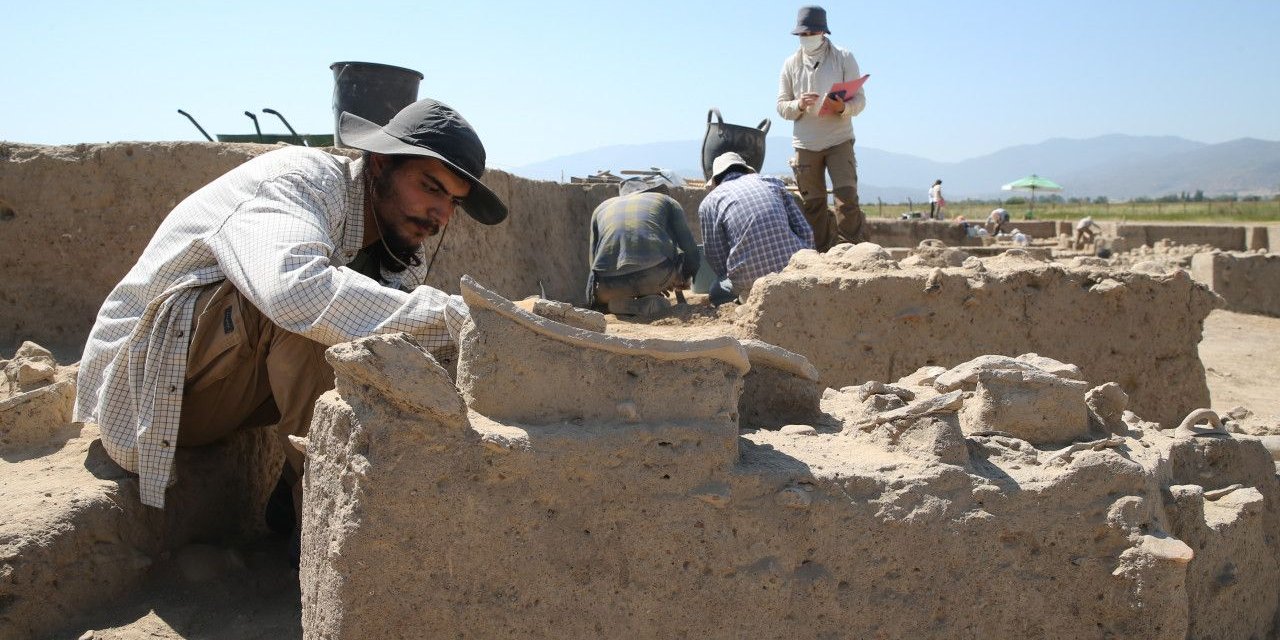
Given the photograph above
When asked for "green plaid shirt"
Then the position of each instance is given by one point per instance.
(634, 232)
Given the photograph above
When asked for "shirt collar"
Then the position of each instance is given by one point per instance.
(353, 234)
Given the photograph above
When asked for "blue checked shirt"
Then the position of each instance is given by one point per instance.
(751, 226)
(281, 228)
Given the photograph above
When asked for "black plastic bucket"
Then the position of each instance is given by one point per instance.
(723, 138)
(375, 92)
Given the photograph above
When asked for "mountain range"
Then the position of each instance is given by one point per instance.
(1116, 166)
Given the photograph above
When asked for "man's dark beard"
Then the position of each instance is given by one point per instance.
(394, 262)
(393, 252)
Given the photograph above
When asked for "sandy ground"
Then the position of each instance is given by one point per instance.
(1241, 356)
(249, 593)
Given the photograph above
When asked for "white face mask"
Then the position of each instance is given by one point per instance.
(811, 44)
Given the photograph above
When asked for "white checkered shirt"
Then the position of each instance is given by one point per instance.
(751, 226)
(280, 227)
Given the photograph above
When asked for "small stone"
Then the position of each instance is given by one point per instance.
(798, 430)
(1239, 413)
(627, 411)
(88, 635)
(794, 498)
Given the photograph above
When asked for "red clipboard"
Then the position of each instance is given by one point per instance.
(845, 91)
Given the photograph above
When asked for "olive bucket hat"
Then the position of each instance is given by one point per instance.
(434, 130)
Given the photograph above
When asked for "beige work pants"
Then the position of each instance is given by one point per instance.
(810, 168)
(243, 371)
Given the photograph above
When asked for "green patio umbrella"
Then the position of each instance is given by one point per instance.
(1032, 183)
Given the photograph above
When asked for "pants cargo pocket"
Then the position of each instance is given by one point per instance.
(219, 330)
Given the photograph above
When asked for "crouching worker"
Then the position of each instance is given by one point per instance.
(1086, 229)
(223, 322)
(641, 247)
(751, 226)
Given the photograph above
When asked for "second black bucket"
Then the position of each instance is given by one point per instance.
(373, 91)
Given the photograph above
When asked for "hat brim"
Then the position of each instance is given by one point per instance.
(741, 166)
(798, 30)
(481, 204)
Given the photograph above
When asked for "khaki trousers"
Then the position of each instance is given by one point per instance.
(811, 167)
(243, 371)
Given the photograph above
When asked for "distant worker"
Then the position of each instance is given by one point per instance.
(936, 202)
(751, 226)
(641, 247)
(997, 221)
(823, 140)
(1084, 232)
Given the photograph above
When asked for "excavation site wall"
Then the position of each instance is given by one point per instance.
(76, 218)
(1247, 282)
(858, 316)
(927, 507)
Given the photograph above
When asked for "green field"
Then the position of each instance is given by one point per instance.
(1215, 211)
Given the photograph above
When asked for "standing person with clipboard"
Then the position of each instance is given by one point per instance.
(820, 89)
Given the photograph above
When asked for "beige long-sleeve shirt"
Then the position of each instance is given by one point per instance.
(802, 74)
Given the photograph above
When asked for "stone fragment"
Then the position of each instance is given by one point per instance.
(1107, 404)
(1038, 407)
(875, 388)
(32, 418)
(966, 375)
(1167, 548)
(1191, 427)
(944, 403)
(395, 364)
(514, 366)
(799, 430)
(1065, 454)
(566, 313)
(793, 498)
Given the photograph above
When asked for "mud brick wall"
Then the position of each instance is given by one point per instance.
(878, 322)
(424, 519)
(1248, 282)
(1227, 238)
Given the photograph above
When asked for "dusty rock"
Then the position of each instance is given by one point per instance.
(565, 374)
(933, 253)
(1107, 404)
(1038, 407)
(566, 313)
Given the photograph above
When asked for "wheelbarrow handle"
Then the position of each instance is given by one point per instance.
(256, 128)
(197, 124)
(277, 114)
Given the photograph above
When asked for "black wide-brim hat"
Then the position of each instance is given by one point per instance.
(434, 130)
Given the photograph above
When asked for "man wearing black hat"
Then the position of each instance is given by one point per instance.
(640, 248)
(223, 322)
(823, 131)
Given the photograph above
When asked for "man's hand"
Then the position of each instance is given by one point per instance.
(834, 105)
(807, 100)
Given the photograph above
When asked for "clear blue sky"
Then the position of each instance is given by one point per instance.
(949, 80)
